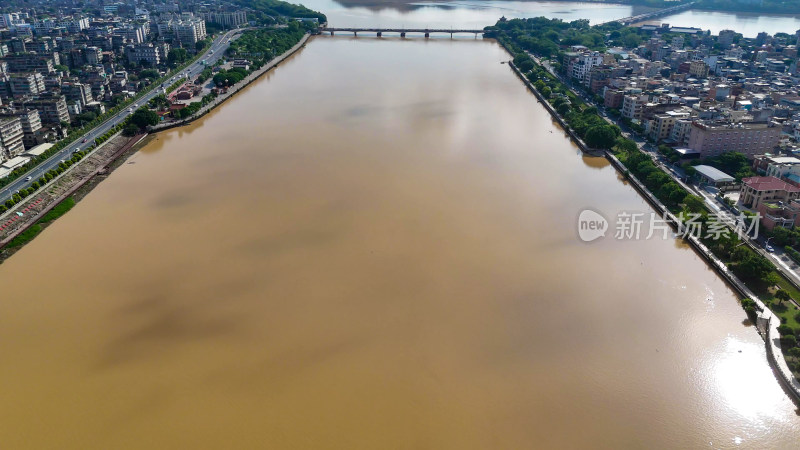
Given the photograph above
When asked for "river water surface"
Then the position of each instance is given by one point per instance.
(749, 24)
(373, 246)
(461, 14)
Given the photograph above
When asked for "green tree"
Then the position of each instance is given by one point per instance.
(694, 203)
(177, 55)
(159, 102)
(546, 92)
(626, 145)
(143, 117)
(149, 73)
(600, 136)
(782, 296)
(752, 266)
(525, 66)
(130, 129)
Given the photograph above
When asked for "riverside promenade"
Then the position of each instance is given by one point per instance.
(233, 90)
(98, 167)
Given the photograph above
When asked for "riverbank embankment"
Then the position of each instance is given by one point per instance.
(65, 186)
(767, 322)
(233, 89)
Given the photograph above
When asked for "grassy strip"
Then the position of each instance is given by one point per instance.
(28, 235)
(25, 236)
(59, 210)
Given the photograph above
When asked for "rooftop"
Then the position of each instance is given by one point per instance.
(785, 160)
(39, 149)
(769, 184)
(713, 173)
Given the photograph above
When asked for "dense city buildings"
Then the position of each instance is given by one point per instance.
(62, 64)
(694, 91)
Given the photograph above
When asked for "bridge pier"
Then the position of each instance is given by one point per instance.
(401, 31)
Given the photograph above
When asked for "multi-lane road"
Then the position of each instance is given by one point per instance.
(211, 55)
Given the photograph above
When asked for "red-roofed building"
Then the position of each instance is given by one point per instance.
(759, 189)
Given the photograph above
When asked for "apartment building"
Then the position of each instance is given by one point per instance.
(599, 77)
(751, 138)
(23, 84)
(681, 131)
(75, 91)
(231, 19)
(663, 124)
(580, 66)
(146, 54)
(698, 69)
(11, 136)
(52, 108)
(613, 98)
(189, 31)
(30, 62)
(633, 106)
(31, 126)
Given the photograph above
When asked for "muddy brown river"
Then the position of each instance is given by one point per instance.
(374, 246)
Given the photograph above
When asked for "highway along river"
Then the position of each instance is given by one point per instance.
(373, 247)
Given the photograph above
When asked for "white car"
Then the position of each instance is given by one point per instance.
(28, 178)
(770, 248)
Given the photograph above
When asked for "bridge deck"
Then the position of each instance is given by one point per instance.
(401, 30)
